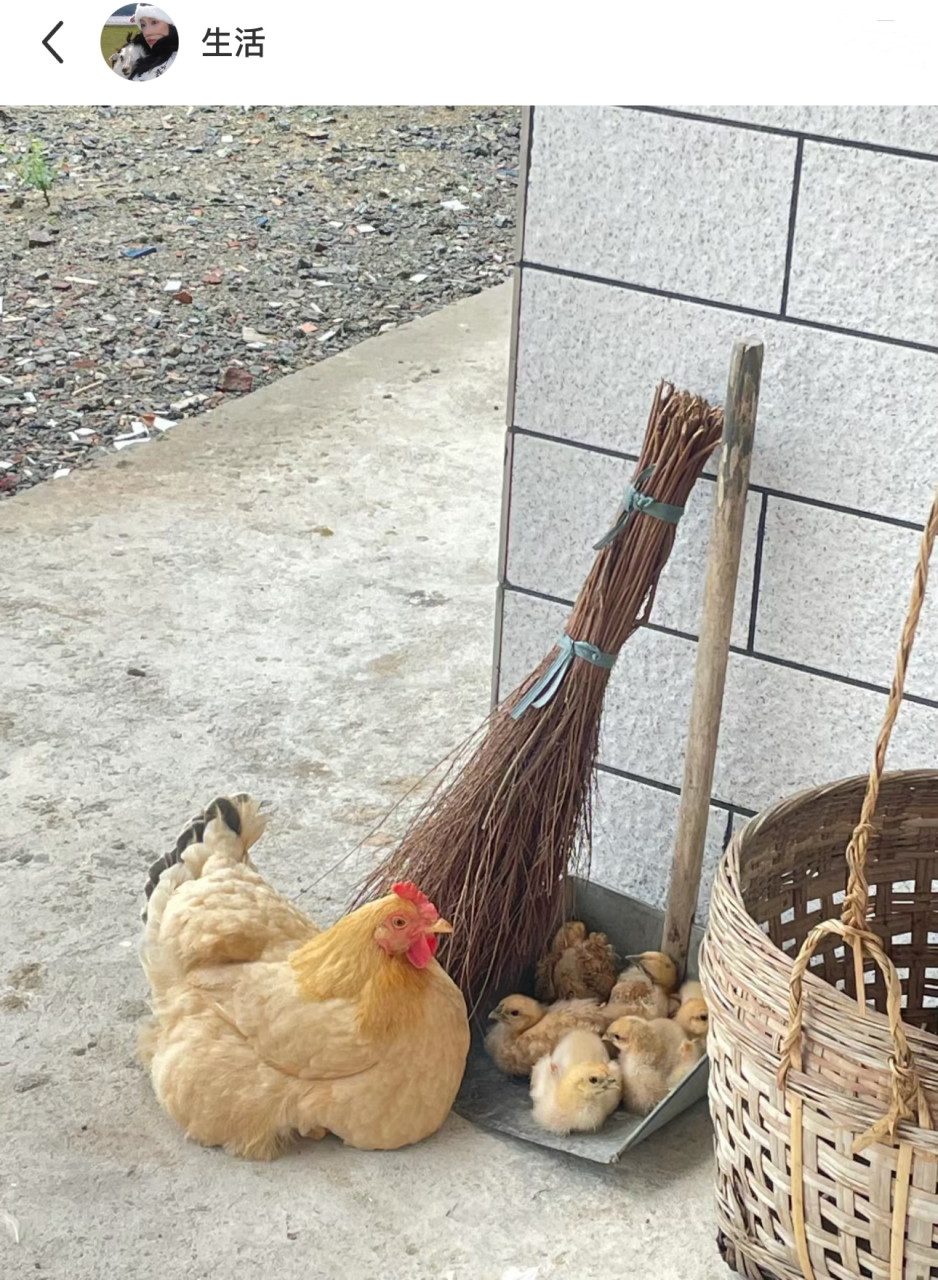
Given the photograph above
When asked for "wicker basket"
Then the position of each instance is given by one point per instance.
(827, 1163)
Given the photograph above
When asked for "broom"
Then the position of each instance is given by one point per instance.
(494, 843)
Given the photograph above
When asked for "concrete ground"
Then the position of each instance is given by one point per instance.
(307, 578)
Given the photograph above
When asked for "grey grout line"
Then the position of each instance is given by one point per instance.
(517, 286)
(671, 295)
(757, 574)
(894, 521)
(670, 788)
(728, 833)
(780, 131)
(792, 220)
(528, 144)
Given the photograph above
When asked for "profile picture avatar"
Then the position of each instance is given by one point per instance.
(139, 41)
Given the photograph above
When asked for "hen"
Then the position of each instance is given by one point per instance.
(577, 966)
(264, 1027)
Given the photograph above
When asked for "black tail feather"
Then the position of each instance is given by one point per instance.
(192, 833)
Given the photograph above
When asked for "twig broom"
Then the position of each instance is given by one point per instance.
(494, 843)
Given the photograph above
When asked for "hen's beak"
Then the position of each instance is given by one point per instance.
(440, 926)
(495, 1015)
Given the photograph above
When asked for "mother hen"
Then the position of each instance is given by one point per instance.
(265, 1027)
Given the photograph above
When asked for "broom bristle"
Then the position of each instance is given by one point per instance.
(494, 844)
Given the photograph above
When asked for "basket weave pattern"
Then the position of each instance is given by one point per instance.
(822, 1101)
(782, 875)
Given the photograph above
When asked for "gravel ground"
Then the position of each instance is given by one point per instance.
(281, 236)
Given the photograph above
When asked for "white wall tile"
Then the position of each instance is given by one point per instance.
(834, 594)
(910, 128)
(634, 826)
(564, 498)
(782, 730)
(866, 243)
(641, 199)
(913, 128)
(530, 628)
(841, 419)
(672, 204)
(648, 697)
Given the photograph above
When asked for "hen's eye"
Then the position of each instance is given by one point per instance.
(399, 922)
(513, 1013)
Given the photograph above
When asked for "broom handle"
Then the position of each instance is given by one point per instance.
(742, 400)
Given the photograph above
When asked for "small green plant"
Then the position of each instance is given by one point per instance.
(34, 169)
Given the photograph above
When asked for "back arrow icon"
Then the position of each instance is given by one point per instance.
(48, 46)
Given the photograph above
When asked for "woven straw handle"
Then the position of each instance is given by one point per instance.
(908, 1096)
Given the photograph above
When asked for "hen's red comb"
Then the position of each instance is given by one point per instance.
(408, 890)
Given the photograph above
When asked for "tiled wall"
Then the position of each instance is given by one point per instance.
(653, 239)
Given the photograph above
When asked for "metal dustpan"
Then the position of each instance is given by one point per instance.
(494, 1101)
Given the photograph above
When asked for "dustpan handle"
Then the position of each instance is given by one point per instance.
(908, 1097)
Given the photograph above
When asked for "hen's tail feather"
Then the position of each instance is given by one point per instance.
(238, 813)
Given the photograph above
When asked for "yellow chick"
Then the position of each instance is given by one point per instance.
(690, 991)
(694, 1019)
(647, 1004)
(644, 989)
(526, 1030)
(576, 1088)
(689, 1054)
(649, 1051)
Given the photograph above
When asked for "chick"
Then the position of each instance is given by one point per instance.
(568, 935)
(694, 1019)
(690, 991)
(689, 1054)
(648, 1004)
(526, 1030)
(644, 989)
(648, 1054)
(578, 965)
(576, 1088)
(578, 1046)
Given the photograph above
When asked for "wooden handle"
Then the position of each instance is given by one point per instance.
(742, 400)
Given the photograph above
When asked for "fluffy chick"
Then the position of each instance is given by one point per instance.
(649, 1003)
(576, 1088)
(526, 1030)
(689, 1054)
(644, 989)
(651, 967)
(568, 935)
(694, 1019)
(690, 991)
(648, 1054)
(578, 966)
